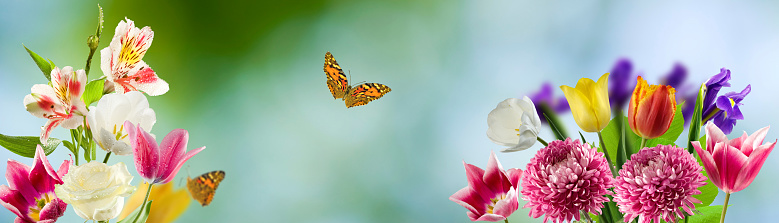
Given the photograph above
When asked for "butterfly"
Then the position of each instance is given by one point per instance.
(340, 88)
(203, 187)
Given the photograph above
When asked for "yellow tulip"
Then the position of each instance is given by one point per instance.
(168, 204)
(589, 103)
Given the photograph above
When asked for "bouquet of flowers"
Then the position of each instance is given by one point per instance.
(110, 113)
(636, 171)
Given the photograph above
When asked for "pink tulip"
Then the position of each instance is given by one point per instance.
(491, 195)
(733, 164)
(31, 193)
(159, 164)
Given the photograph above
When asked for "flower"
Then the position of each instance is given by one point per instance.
(107, 120)
(589, 103)
(169, 204)
(718, 109)
(60, 102)
(96, 190)
(159, 164)
(544, 99)
(656, 182)
(514, 123)
(620, 82)
(31, 193)
(733, 164)
(651, 110)
(564, 178)
(688, 93)
(122, 62)
(729, 111)
(491, 194)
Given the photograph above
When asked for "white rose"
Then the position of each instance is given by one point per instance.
(112, 110)
(95, 190)
(514, 123)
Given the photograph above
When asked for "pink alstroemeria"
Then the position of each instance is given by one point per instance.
(159, 164)
(122, 62)
(31, 192)
(61, 102)
(491, 195)
(733, 164)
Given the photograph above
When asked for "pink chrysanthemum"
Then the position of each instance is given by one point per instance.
(564, 178)
(656, 182)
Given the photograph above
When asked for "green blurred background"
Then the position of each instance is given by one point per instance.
(246, 81)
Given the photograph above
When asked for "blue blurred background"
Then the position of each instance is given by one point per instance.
(246, 81)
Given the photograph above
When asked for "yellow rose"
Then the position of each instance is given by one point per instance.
(589, 103)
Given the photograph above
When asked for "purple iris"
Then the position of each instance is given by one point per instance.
(621, 83)
(723, 111)
(729, 111)
(545, 97)
(676, 79)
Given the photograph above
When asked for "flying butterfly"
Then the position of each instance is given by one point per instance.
(352, 95)
(203, 187)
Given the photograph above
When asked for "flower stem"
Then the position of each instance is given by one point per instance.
(89, 61)
(606, 152)
(586, 216)
(724, 208)
(643, 143)
(506, 221)
(106, 157)
(542, 141)
(148, 191)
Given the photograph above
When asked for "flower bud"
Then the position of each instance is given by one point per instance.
(652, 108)
(92, 42)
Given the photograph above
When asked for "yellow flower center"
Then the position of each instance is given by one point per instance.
(491, 207)
(35, 212)
(119, 134)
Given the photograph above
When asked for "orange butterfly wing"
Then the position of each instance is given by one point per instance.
(336, 79)
(364, 93)
(204, 187)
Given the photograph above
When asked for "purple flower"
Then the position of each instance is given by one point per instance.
(688, 93)
(545, 97)
(729, 112)
(621, 83)
(713, 85)
(723, 110)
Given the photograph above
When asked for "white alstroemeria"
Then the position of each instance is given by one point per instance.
(107, 120)
(514, 123)
(122, 62)
(95, 190)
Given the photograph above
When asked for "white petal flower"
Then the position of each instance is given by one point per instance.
(95, 190)
(514, 123)
(107, 120)
(122, 61)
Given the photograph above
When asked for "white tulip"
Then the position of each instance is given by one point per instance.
(95, 190)
(514, 123)
(112, 110)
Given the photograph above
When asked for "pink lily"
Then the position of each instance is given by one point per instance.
(733, 164)
(122, 62)
(159, 164)
(31, 192)
(61, 102)
(491, 195)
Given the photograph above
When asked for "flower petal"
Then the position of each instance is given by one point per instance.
(580, 108)
(709, 164)
(713, 136)
(176, 168)
(508, 205)
(471, 200)
(17, 175)
(475, 176)
(494, 177)
(172, 149)
(730, 161)
(46, 129)
(752, 166)
(146, 151)
(43, 174)
(147, 81)
(53, 210)
(13, 201)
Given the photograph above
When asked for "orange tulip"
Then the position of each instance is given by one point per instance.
(652, 109)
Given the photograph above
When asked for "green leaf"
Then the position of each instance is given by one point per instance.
(70, 146)
(582, 136)
(611, 137)
(552, 119)
(132, 216)
(695, 122)
(93, 92)
(99, 21)
(45, 65)
(707, 214)
(25, 145)
(554, 127)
